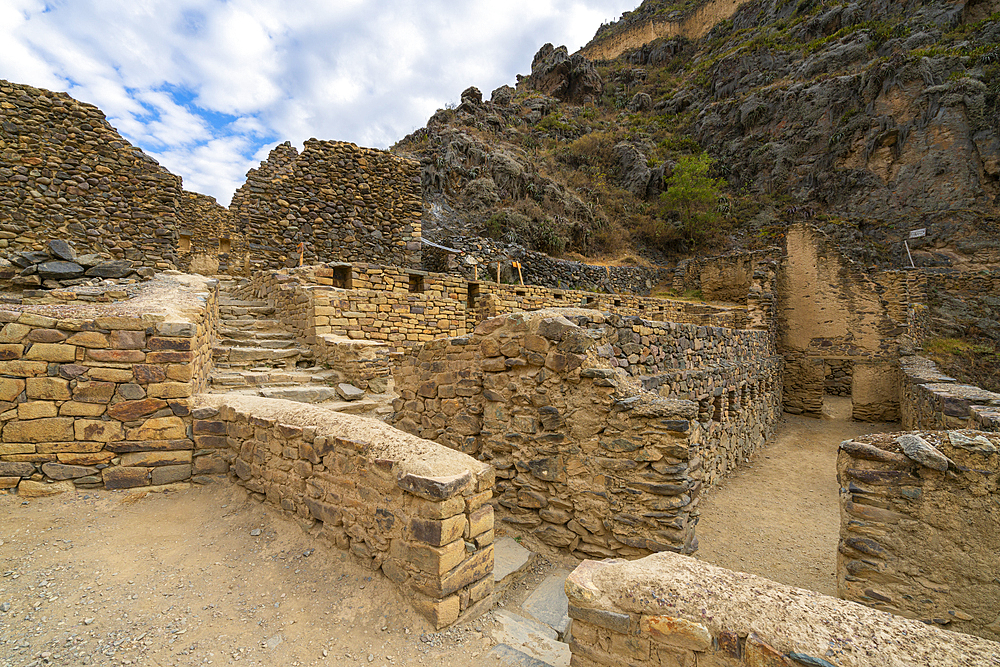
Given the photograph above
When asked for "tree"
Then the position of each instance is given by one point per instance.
(694, 195)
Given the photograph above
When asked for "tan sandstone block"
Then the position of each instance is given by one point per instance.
(37, 410)
(439, 612)
(88, 339)
(14, 333)
(30, 489)
(54, 352)
(152, 459)
(48, 389)
(10, 389)
(169, 390)
(180, 373)
(118, 375)
(10, 351)
(98, 430)
(77, 409)
(159, 428)
(22, 368)
(39, 430)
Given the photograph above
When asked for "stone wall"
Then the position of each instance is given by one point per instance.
(207, 241)
(929, 399)
(342, 202)
(477, 260)
(65, 173)
(417, 511)
(920, 531)
(584, 461)
(830, 310)
(100, 395)
(672, 610)
(563, 403)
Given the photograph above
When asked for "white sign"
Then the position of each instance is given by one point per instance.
(917, 233)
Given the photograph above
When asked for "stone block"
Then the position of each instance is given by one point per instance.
(16, 469)
(51, 352)
(169, 357)
(128, 340)
(21, 368)
(88, 339)
(176, 329)
(148, 445)
(159, 428)
(170, 474)
(76, 409)
(37, 410)
(47, 389)
(98, 430)
(432, 560)
(10, 389)
(127, 411)
(478, 566)
(481, 520)
(440, 613)
(145, 373)
(210, 464)
(94, 392)
(438, 532)
(30, 489)
(85, 459)
(61, 471)
(9, 483)
(180, 372)
(125, 478)
(117, 356)
(53, 429)
(677, 632)
(157, 343)
(11, 448)
(435, 488)
(14, 332)
(68, 446)
(10, 351)
(169, 390)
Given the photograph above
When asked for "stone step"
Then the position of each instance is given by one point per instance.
(548, 603)
(241, 334)
(511, 562)
(260, 341)
(523, 642)
(240, 311)
(252, 354)
(273, 377)
(225, 301)
(252, 323)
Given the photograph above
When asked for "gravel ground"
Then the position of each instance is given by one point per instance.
(197, 577)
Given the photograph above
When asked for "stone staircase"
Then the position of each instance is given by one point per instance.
(256, 355)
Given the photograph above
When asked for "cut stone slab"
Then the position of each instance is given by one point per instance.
(349, 392)
(300, 394)
(504, 655)
(509, 558)
(549, 604)
(537, 641)
(59, 270)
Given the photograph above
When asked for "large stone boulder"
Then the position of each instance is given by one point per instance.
(572, 79)
(59, 270)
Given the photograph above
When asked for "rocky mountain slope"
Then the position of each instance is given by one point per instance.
(868, 118)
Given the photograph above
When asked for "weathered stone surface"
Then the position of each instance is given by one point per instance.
(60, 471)
(54, 352)
(37, 410)
(59, 270)
(113, 269)
(125, 478)
(59, 249)
(160, 428)
(435, 488)
(16, 469)
(10, 388)
(438, 532)
(676, 632)
(39, 430)
(98, 430)
(94, 392)
(48, 389)
(170, 474)
(132, 410)
(30, 489)
(924, 453)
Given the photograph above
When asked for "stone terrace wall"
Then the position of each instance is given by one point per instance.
(345, 203)
(672, 610)
(930, 399)
(478, 259)
(733, 375)
(920, 531)
(497, 299)
(585, 458)
(415, 510)
(66, 173)
(100, 396)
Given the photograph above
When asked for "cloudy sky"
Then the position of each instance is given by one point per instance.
(207, 87)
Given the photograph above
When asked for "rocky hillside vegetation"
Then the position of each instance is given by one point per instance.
(868, 118)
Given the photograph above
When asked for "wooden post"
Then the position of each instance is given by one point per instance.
(302, 252)
(475, 272)
(519, 276)
(498, 273)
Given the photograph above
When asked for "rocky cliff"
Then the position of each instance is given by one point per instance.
(867, 118)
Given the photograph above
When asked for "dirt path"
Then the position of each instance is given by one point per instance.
(181, 578)
(778, 516)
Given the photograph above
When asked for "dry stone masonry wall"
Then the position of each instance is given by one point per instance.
(342, 202)
(65, 173)
(586, 458)
(920, 531)
(929, 399)
(417, 511)
(102, 397)
(670, 610)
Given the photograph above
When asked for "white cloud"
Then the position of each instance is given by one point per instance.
(209, 87)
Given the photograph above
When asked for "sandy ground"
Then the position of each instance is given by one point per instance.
(181, 578)
(778, 516)
(208, 576)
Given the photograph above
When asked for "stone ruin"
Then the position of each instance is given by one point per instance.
(590, 422)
